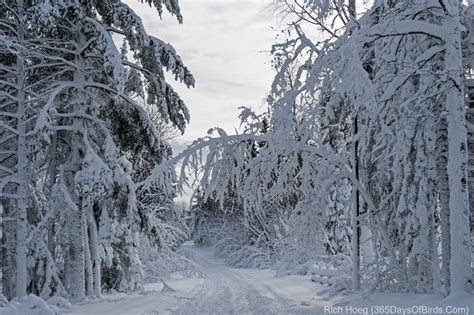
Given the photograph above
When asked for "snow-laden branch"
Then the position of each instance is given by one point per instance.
(398, 28)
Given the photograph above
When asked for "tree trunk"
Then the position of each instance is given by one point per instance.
(470, 145)
(443, 191)
(52, 170)
(355, 193)
(76, 245)
(457, 155)
(95, 255)
(355, 219)
(87, 256)
(22, 202)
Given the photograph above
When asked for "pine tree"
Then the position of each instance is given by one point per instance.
(64, 85)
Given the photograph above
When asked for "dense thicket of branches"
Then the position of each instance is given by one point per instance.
(375, 105)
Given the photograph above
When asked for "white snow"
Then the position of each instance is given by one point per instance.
(88, 181)
(227, 290)
(224, 290)
(27, 305)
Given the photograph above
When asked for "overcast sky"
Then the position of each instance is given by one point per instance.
(225, 43)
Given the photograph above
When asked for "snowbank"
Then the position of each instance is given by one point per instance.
(33, 305)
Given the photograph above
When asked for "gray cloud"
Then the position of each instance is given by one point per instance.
(221, 41)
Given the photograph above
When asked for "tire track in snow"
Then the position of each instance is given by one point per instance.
(228, 292)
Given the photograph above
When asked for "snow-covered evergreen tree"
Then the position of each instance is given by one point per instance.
(69, 91)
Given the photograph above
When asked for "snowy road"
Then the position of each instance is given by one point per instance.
(236, 291)
(224, 291)
(230, 291)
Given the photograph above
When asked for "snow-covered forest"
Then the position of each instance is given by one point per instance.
(353, 187)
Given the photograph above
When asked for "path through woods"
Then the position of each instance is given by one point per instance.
(224, 290)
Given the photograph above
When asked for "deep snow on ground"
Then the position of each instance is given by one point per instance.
(226, 290)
